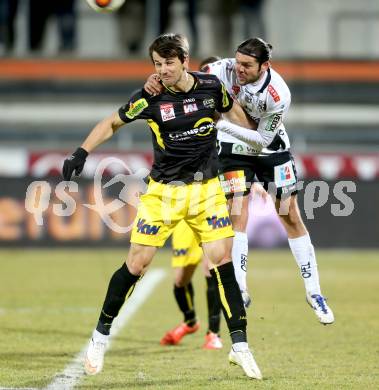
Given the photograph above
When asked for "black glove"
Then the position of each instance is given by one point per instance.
(74, 163)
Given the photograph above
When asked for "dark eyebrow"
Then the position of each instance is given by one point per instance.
(164, 59)
(245, 62)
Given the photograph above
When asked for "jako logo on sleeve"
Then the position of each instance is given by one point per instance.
(145, 228)
(217, 223)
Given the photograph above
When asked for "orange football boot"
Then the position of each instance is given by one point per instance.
(173, 336)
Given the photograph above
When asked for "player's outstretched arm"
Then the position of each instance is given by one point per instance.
(253, 138)
(240, 128)
(99, 134)
(102, 132)
(238, 116)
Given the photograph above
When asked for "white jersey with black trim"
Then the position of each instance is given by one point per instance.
(266, 101)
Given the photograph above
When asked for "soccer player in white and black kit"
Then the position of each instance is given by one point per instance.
(243, 153)
(264, 153)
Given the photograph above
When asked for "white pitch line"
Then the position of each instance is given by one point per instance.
(74, 372)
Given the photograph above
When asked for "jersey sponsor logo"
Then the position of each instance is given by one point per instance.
(284, 175)
(273, 122)
(244, 150)
(145, 228)
(236, 89)
(189, 108)
(209, 103)
(218, 223)
(136, 108)
(167, 112)
(233, 182)
(273, 93)
(202, 128)
(207, 81)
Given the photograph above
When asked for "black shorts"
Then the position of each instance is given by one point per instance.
(276, 172)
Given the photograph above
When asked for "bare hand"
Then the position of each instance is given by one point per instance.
(153, 86)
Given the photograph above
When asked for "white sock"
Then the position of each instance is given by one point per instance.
(304, 254)
(239, 256)
(238, 347)
(97, 336)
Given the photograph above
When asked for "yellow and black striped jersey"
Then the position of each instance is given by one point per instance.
(183, 131)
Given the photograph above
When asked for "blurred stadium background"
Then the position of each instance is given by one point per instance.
(57, 82)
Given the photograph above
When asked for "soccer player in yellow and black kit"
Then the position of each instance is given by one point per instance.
(183, 186)
(186, 256)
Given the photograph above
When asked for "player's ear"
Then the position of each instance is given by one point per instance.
(265, 65)
(186, 63)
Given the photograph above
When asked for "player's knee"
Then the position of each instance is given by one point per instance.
(220, 251)
(138, 261)
(239, 228)
(220, 258)
(183, 275)
(239, 223)
(180, 281)
(135, 266)
(293, 223)
(293, 217)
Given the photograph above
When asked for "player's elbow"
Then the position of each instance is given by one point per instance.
(112, 123)
(266, 140)
(265, 143)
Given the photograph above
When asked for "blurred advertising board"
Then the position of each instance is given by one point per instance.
(98, 209)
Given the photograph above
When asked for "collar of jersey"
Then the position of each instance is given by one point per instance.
(172, 92)
(266, 82)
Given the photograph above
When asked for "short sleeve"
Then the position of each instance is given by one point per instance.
(137, 108)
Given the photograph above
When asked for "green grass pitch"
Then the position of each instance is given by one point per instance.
(50, 301)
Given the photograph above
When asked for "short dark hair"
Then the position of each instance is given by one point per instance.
(208, 60)
(257, 48)
(169, 46)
